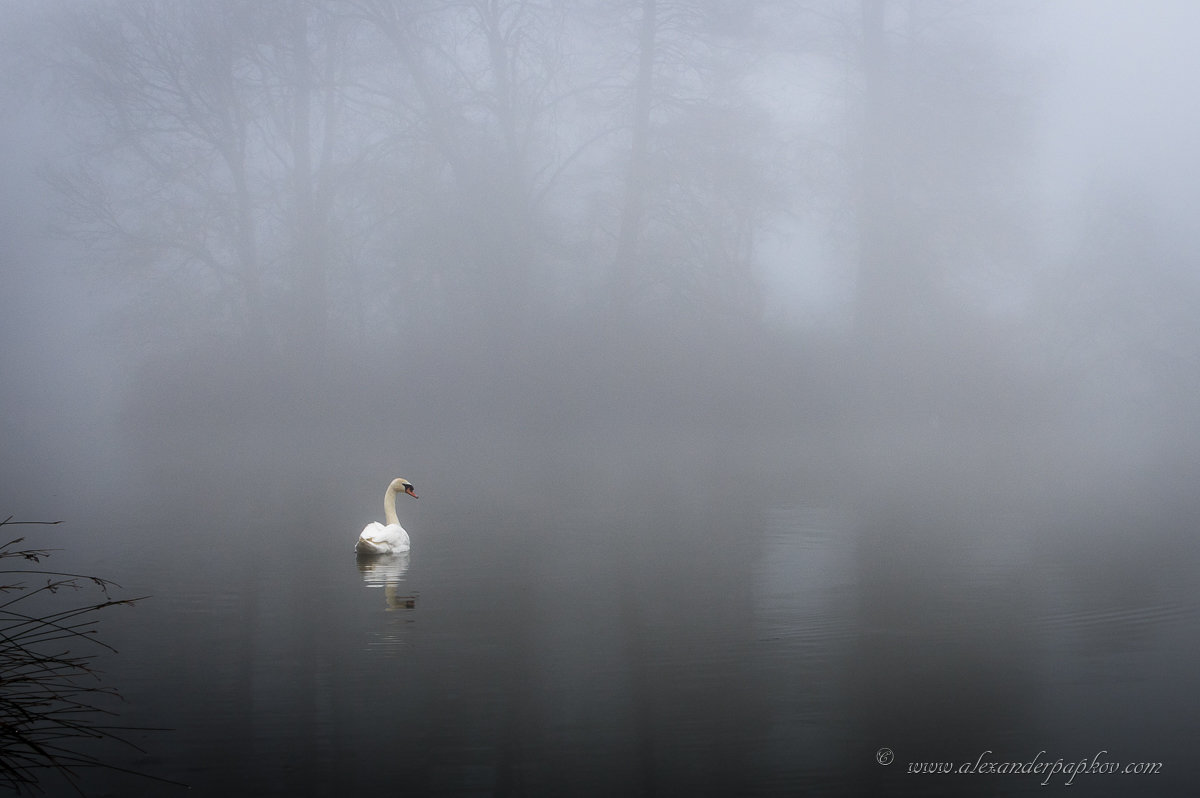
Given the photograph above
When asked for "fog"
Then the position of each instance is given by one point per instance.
(835, 251)
(668, 263)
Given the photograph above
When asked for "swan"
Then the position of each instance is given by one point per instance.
(391, 539)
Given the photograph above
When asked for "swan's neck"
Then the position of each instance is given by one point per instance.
(389, 507)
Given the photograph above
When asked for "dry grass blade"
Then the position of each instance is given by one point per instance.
(52, 701)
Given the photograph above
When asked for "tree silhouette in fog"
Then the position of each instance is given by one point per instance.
(213, 155)
(311, 170)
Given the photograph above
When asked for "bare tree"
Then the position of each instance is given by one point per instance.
(697, 189)
(484, 92)
(633, 206)
(166, 186)
(211, 174)
(938, 209)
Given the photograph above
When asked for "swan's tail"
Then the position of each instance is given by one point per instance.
(368, 546)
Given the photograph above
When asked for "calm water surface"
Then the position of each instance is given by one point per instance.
(649, 651)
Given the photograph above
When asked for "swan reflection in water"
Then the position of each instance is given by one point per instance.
(387, 571)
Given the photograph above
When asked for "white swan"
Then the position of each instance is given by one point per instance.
(391, 539)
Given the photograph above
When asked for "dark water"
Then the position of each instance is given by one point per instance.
(655, 648)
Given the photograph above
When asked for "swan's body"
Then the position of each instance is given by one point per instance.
(389, 538)
(377, 538)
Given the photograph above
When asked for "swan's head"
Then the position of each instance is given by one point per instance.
(402, 486)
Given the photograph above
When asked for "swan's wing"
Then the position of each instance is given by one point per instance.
(379, 539)
(373, 531)
(372, 540)
(396, 537)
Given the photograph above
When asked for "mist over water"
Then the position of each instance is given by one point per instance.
(781, 384)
